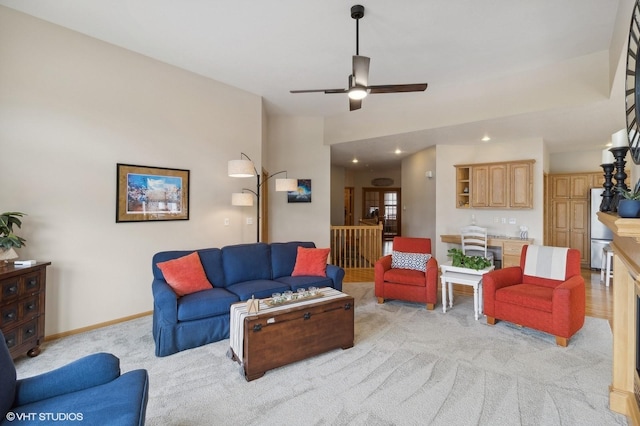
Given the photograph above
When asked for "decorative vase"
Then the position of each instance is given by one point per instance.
(629, 208)
(7, 255)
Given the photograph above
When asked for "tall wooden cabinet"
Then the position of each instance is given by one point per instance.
(504, 185)
(568, 211)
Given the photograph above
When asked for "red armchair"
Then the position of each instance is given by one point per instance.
(546, 292)
(411, 285)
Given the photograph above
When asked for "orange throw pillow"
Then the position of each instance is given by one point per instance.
(185, 275)
(311, 261)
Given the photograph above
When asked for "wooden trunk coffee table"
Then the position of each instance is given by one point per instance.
(280, 335)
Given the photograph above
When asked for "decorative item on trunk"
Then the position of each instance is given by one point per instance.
(253, 305)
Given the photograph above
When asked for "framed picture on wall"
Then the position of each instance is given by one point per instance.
(302, 194)
(151, 193)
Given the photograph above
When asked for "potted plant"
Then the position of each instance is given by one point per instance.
(9, 240)
(629, 205)
(458, 258)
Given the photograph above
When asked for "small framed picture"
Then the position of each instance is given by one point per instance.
(302, 194)
(151, 193)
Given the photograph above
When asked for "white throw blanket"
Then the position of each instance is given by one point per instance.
(546, 262)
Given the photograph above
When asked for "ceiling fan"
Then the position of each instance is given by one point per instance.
(359, 79)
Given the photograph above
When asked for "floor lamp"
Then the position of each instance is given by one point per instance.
(246, 168)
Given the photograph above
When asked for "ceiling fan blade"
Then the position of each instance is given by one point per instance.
(361, 70)
(355, 104)
(397, 88)
(320, 90)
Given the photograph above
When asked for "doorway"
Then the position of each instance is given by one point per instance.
(383, 205)
(348, 205)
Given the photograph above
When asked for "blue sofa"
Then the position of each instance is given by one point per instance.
(237, 273)
(88, 391)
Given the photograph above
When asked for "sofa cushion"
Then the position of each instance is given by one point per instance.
(7, 379)
(246, 262)
(306, 281)
(211, 260)
(283, 257)
(405, 276)
(416, 261)
(311, 261)
(205, 304)
(260, 289)
(185, 274)
(529, 295)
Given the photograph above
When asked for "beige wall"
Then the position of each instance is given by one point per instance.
(575, 162)
(419, 194)
(72, 107)
(295, 144)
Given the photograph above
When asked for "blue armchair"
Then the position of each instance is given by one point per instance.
(90, 390)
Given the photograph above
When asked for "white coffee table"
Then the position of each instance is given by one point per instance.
(456, 275)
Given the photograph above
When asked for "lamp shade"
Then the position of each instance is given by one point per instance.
(241, 168)
(241, 199)
(286, 184)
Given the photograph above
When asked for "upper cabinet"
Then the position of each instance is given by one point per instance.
(572, 186)
(504, 185)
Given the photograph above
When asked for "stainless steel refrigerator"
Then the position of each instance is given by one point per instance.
(600, 234)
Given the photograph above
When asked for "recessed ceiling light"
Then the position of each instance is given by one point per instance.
(355, 160)
(397, 151)
(485, 139)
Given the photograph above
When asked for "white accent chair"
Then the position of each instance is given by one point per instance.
(474, 242)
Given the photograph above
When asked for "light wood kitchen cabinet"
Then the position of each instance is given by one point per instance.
(567, 221)
(569, 216)
(521, 185)
(505, 185)
(511, 250)
(498, 185)
(480, 186)
(571, 186)
(570, 226)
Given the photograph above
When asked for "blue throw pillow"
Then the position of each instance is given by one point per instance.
(416, 261)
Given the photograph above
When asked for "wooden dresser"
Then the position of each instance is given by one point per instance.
(22, 307)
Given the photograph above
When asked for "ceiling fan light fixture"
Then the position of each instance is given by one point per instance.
(358, 92)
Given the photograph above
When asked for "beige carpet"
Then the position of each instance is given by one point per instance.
(409, 366)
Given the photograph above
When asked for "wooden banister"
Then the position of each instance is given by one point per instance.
(356, 246)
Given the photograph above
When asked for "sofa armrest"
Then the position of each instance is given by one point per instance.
(495, 280)
(336, 274)
(499, 278)
(569, 306)
(381, 266)
(432, 272)
(165, 302)
(92, 370)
